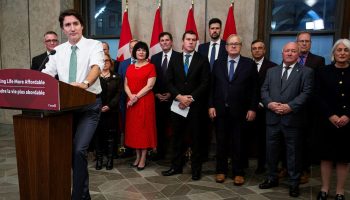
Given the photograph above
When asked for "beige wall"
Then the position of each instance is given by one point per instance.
(23, 23)
(22, 26)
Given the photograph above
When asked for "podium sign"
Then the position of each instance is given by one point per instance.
(28, 89)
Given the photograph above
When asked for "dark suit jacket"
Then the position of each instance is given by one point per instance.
(160, 85)
(241, 94)
(314, 61)
(296, 92)
(195, 83)
(123, 66)
(37, 60)
(266, 64)
(203, 49)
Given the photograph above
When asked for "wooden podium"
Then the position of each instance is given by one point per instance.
(43, 132)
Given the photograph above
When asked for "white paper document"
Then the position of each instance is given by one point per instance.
(175, 108)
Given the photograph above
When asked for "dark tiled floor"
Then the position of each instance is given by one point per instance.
(124, 182)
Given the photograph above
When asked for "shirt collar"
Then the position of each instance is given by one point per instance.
(80, 43)
(259, 61)
(217, 42)
(184, 53)
(235, 59)
(168, 53)
(291, 66)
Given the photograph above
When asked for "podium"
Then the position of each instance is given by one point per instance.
(43, 132)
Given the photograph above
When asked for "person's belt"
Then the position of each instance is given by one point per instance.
(98, 95)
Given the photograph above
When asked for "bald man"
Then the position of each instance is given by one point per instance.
(285, 91)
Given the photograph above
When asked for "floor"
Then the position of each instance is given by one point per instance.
(126, 183)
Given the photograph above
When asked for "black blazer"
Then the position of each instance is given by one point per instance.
(37, 60)
(241, 94)
(195, 83)
(156, 59)
(296, 92)
(203, 49)
(314, 61)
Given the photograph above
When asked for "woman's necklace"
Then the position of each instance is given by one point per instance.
(105, 75)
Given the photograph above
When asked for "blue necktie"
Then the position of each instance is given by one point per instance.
(73, 65)
(301, 60)
(231, 72)
(212, 56)
(187, 62)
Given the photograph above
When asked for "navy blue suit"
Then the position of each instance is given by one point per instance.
(123, 66)
(232, 100)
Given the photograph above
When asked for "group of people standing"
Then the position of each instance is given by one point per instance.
(285, 104)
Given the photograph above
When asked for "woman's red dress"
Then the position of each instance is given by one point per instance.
(140, 123)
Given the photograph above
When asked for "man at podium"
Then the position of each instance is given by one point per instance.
(79, 62)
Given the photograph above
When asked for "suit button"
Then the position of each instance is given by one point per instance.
(344, 107)
(185, 83)
(342, 94)
(340, 82)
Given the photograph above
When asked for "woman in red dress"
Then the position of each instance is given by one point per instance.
(140, 125)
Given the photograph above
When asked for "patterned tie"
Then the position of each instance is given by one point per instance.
(212, 56)
(285, 75)
(232, 69)
(73, 65)
(187, 62)
(301, 60)
(165, 64)
(133, 61)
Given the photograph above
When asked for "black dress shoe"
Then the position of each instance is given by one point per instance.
(196, 175)
(99, 162)
(322, 195)
(109, 164)
(171, 172)
(268, 184)
(294, 191)
(339, 197)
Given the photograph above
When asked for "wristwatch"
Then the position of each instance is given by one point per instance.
(86, 82)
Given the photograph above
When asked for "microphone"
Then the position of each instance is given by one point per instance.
(53, 52)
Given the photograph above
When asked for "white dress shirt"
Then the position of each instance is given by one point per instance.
(190, 58)
(168, 55)
(234, 65)
(89, 52)
(259, 63)
(289, 70)
(217, 47)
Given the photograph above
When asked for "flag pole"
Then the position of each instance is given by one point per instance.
(126, 7)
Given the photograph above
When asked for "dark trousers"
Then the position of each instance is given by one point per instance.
(259, 130)
(229, 142)
(278, 135)
(163, 118)
(186, 130)
(105, 133)
(85, 123)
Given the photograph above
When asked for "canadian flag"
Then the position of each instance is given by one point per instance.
(125, 37)
(157, 29)
(230, 26)
(191, 24)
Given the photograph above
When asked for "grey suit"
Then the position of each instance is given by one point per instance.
(295, 92)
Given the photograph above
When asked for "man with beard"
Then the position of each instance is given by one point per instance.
(216, 47)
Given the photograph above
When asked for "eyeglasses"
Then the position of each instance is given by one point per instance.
(304, 41)
(51, 41)
(234, 44)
